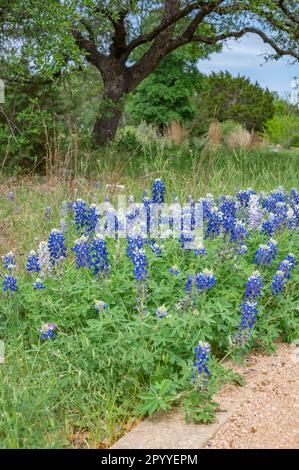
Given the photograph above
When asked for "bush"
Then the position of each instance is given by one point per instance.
(283, 130)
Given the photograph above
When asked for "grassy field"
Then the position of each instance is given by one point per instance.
(105, 371)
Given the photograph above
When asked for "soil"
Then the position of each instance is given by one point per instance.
(268, 415)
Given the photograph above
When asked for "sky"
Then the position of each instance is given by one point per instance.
(245, 56)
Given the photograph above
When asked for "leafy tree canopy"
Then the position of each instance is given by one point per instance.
(234, 98)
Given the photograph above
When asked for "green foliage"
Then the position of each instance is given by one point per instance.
(225, 97)
(166, 95)
(103, 369)
(283, 127)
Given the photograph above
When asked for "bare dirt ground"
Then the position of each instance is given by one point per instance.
(268, 415)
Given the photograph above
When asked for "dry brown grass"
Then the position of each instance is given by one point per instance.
(241, 138)
(214, 134)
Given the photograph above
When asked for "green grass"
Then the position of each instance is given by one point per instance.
(85, 387)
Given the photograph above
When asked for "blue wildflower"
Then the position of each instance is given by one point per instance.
(278, 282)
(189, 283)
(47, 331)
(82, 251)
(205, 280)
(238, 232)
(174, 270)
(266, 253)
(162, 311)
(9, 261)
(254, 286)
(100, 305)
(214, 222)
(140, 262)
(92, 217)
(228, 210)
(202, 356)
(200, 251)
(9, 283)
(242, 249)
(39, 284)
(32, 262)
(56, 245)
(99, 255)
(249, 312)
(158, 191)
(80, 213)
(244, 196)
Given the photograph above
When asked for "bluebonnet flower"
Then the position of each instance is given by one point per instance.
(291, 258)
(174, 270)
(9, 261)
(270, 202)
(56, 245)
(92, 217)
(249, 312)
(202, 356)
(185, 238)
(189, 283)
(147, 208)
(155, 247)
(228, 208)
(238, 232)
(32, 262)
(100, 305)
(9, 283)
(278, 282)
(80, 213)
(244, 196)
(139, 260)
(134, 242)
(44, 260)
(158, 191)
(270, 226)
(214, 222)
(47, 331)
(266, 253)
(162, 311)
(38, 284)
(242, 249)
(205, 280)
(290, 218)
(99, 255)
(10, 196)
(254, 286)
(83, 254)
(255, 212)
(294, 197)
(272, 244)
(200, 251)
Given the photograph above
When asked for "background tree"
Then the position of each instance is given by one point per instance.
(167, 94)
(225, 97)
(55, 36)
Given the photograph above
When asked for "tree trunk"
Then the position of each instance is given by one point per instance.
(111, 109)
(106, 125)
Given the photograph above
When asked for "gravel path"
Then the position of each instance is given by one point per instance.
(268, 417)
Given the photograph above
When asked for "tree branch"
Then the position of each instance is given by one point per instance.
(238, 34)
(92, 54)
(165, 23)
